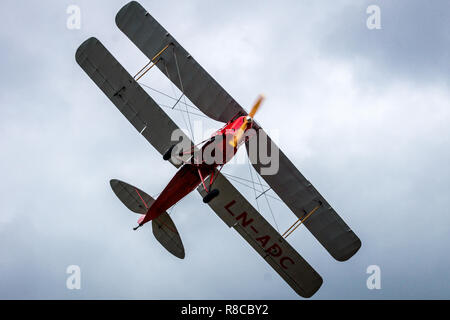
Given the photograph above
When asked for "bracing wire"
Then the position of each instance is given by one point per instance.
(182, 90)
(254, 188)
(268, 204)
(173, 91)
(191, 113)
(169, 96)
(240, 178)
(235, 179)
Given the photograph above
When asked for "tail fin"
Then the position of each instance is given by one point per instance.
(163, 227)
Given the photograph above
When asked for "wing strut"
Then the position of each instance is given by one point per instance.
(141, 72)
(212, 178)
(287, 233)
(153, 62)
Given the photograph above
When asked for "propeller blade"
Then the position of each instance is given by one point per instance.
(240, 132)
(256, 106)
(238, 135)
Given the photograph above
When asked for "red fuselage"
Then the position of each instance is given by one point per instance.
(190, 175)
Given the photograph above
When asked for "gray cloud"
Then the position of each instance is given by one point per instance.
(413, 43)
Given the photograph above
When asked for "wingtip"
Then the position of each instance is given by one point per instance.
(357, 245)
(181, 255)
(313, 290)
(113, 182)
(122, 12)
(86, 43)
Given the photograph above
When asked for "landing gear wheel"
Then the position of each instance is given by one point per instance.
(211, 195)
(168, 154)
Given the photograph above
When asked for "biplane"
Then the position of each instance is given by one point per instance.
(299, 195)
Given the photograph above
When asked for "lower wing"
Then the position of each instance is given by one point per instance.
(231, 206)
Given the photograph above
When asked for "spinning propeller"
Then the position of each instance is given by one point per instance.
(247, 120)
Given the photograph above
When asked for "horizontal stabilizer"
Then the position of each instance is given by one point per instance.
(163, 227)
(167, 234)
(134, 199)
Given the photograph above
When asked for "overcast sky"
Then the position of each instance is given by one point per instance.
(364, 114)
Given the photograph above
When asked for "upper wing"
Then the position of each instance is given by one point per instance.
(238, 213)
(301, 197)
(127, 95)
(196, 84)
